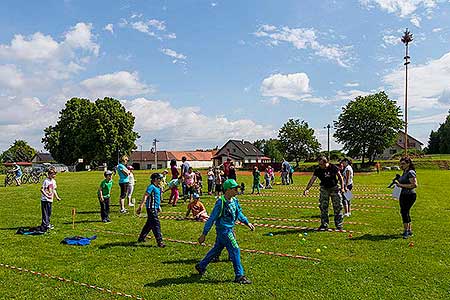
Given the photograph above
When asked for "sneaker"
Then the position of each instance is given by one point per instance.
(346, 215)
(323, 227)
(242, 280)
(405, 234)
(141, 240)
(339, 228)
(199, 270)
(410, 233)
(130, 204)
(123, 211)
(161, 245)
(50, 226)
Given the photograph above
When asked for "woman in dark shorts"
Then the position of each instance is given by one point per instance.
(408, 183)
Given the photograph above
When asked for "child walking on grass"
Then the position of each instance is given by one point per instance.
(104, 195)
(225, 213)
(152, 201)
(256, 176)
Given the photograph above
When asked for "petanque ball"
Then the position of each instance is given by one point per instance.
(318, 250)
(305, 233)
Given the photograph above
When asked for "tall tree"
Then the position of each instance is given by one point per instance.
(271, 148)
(95, 131)
(297, 140)
(18, 151)
(433, 143)
(368, 125)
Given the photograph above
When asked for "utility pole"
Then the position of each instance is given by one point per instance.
(156, 155)
(142, 159)
(328, 139)
(406, 39)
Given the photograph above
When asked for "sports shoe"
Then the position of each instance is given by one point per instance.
(50, 226)
(141, 240)
(161, 245)
(323, 227)
(405, 234)
(242, 280)
(123, 211)
(199, 270)
(410, 233)
(130, 204)
(339, 228)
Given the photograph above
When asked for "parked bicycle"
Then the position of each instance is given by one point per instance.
(10, 178)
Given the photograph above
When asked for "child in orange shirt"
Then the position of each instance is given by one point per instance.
(197, 208)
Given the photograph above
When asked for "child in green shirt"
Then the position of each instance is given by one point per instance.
(104, 195)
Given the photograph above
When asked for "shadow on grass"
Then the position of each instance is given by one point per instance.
(14, 228)
(189, 261)
(88, 212)
(376, 238)
(193, 278)
(84, 221)
(126, 244)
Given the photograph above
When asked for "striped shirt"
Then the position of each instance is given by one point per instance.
(154, 195)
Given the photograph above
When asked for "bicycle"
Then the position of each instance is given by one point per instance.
(9, 179)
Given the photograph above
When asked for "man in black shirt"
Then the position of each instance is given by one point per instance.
(329, 175)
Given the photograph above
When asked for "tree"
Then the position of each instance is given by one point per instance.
(19, 151)
(271, 148)
(297, 141)
(439, 141)
(368, 125)
(433, 143)
(95, 131)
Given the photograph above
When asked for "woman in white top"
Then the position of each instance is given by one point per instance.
(347, 173)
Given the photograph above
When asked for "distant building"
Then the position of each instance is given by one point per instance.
(145, 160)
(240, 152)
(400, 145)
(42, 157)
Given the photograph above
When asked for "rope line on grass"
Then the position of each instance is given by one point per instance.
(243, 250)
(303, 206)
(374, 196)
(301, 202)
(62, 279)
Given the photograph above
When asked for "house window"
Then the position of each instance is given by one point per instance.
(234, 150)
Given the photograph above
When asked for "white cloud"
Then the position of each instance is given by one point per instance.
(36, 47)
(185, 126)
(391, 40)
(10, 77)
(154, 28)
(437, 29)
(305, 38)
(433, 119)
(415, 20)
(81, 37)
(172, 53)
(290, 86)
(352, 84)
(109, 27)
(117, 85)
(349, 95)
(402, 8)
(428, 83)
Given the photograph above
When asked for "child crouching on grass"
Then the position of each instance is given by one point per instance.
(225, 214)
(152, 200)
(197, 208)
(48, 192)
(104, 195)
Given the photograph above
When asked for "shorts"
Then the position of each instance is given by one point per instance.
(123, 189)
(344, 200)
(218, 188)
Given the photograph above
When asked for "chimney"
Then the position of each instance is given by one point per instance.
(243, 143)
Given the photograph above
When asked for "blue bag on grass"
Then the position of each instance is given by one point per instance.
(78, 240)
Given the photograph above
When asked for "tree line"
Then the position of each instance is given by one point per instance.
(102, 130)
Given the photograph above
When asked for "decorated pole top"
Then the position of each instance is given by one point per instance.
(407, 37)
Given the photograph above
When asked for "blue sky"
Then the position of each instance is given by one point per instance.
(196, 73)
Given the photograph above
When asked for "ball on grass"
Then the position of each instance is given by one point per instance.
(411, 244)
(318, 250)
(305, 233)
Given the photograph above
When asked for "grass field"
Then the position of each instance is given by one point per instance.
(376, 263)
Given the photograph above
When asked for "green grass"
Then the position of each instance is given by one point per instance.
(375, 264)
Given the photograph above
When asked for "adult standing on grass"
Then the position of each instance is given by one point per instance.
(152, 200)
(407, 182)
(123, 182)
(347, 173)
(328, 175)
(184, 169)
(225, 213)
(285, 168)
(48, 192)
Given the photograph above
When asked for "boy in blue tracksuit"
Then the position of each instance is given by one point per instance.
(224, 214)
(152, 200)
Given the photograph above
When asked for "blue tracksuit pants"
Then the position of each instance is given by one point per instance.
(225, 239)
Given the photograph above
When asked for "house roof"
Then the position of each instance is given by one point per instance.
(43, 156)
(409, 137)
(169, 155)
(245, 147)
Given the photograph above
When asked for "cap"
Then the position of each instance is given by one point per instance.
(108, 172)
(195, 196)
(229, 184)
(156, 176)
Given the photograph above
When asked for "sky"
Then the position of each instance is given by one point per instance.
(197, 73)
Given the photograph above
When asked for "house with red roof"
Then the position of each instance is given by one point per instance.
(146, 160)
